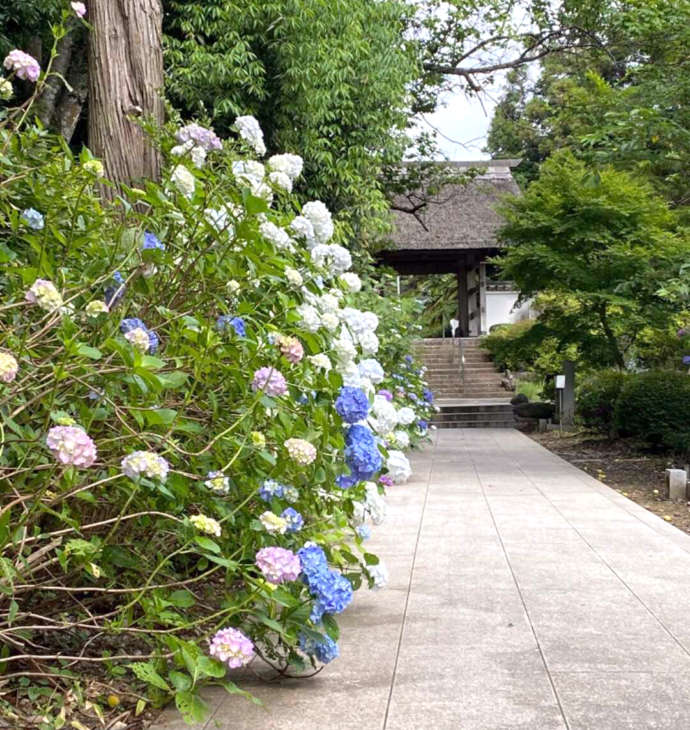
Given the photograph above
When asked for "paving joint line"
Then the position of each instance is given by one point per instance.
(521, 596)
(409, 587)
(602, 558)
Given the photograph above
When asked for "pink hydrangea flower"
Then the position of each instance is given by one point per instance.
(8, 367)
(24, 66)
(79, 9)
(291, 348)
(301, 451)
(270, 380)
(71, 445)
(232, 647)
(278, 564)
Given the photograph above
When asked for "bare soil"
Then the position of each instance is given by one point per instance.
(624, 465)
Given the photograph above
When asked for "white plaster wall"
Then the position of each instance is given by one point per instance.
(500, 308)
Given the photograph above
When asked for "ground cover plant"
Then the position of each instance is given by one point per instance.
(202, 406)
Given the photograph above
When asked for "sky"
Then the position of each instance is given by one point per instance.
(462, 125)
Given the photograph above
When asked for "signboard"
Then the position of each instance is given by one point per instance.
(560, 382)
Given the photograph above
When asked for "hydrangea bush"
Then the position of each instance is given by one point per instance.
(201, 411)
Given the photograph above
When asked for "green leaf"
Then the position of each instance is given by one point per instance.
(92, 353)
(161, 416)
(182, 599)
(179, 680)
(192, 707)
(207, 544)
(231, 688)
(147, 673)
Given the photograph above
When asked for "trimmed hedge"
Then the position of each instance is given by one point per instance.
(596, 399)
(654, 406)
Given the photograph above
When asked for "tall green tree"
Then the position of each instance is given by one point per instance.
(600, 246)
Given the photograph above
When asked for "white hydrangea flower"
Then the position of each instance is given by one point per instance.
(249, 172)
(372, 369)
(320, 361)
(384, 416)
(303, 228)
(280, 180)
(330, 321)
(398, 466)
(335, 259)
(310, 319)
(206, 524)
(287, 164)
(351, 282)
(250, 131)
(344, 348)
(328, 303)
(372, 321)
(350, 374)
(375, 504)
(183, 180)
(320, 217)
(406, 416)
(359, 513)
(293, 276)
(369, 343)
(197, 154)
(273, 524)
(233, 287)
(402, 439)
(379, 574)
(276, 235)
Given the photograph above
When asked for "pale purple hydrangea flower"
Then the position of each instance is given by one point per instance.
(204, 138)
(71, 445)
(278, 565)
(8, 367)
(79, 9)
(291, 349)
(26, 67)
(232, 647)
(270, 380)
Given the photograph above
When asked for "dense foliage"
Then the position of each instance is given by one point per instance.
(194, 421)
(596, 399)
(653, 407)
(601, 246)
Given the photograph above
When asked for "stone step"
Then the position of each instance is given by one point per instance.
(476, 424)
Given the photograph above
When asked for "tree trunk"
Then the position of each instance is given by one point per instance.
(125, 82)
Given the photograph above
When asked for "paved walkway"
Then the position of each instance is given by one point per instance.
(524, 595)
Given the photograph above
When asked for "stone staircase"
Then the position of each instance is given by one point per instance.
(473, 399)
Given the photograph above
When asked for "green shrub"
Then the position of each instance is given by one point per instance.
(531, 389)
(596, 399)
(654, 406)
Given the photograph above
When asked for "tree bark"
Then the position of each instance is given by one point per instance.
(125, 83)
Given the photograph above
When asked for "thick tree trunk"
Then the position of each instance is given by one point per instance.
(125, 82)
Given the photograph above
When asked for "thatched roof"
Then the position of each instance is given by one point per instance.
(458, 217)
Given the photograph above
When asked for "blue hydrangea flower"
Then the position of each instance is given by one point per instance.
(269, 489)
(686, 359)
(115, 291)
(364, 531)
(151, 242)
(33, 219)
(333, 593)
(408, 358)
(302, 399)
(324, 649)
(352, 404)
(132, 323)
(313, 560)
(237, 324)
(361, 453)
(293, 518)
(428, 395)
(422, 425)
(345, 481)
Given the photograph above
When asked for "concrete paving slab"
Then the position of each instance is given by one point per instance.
(524, 595)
